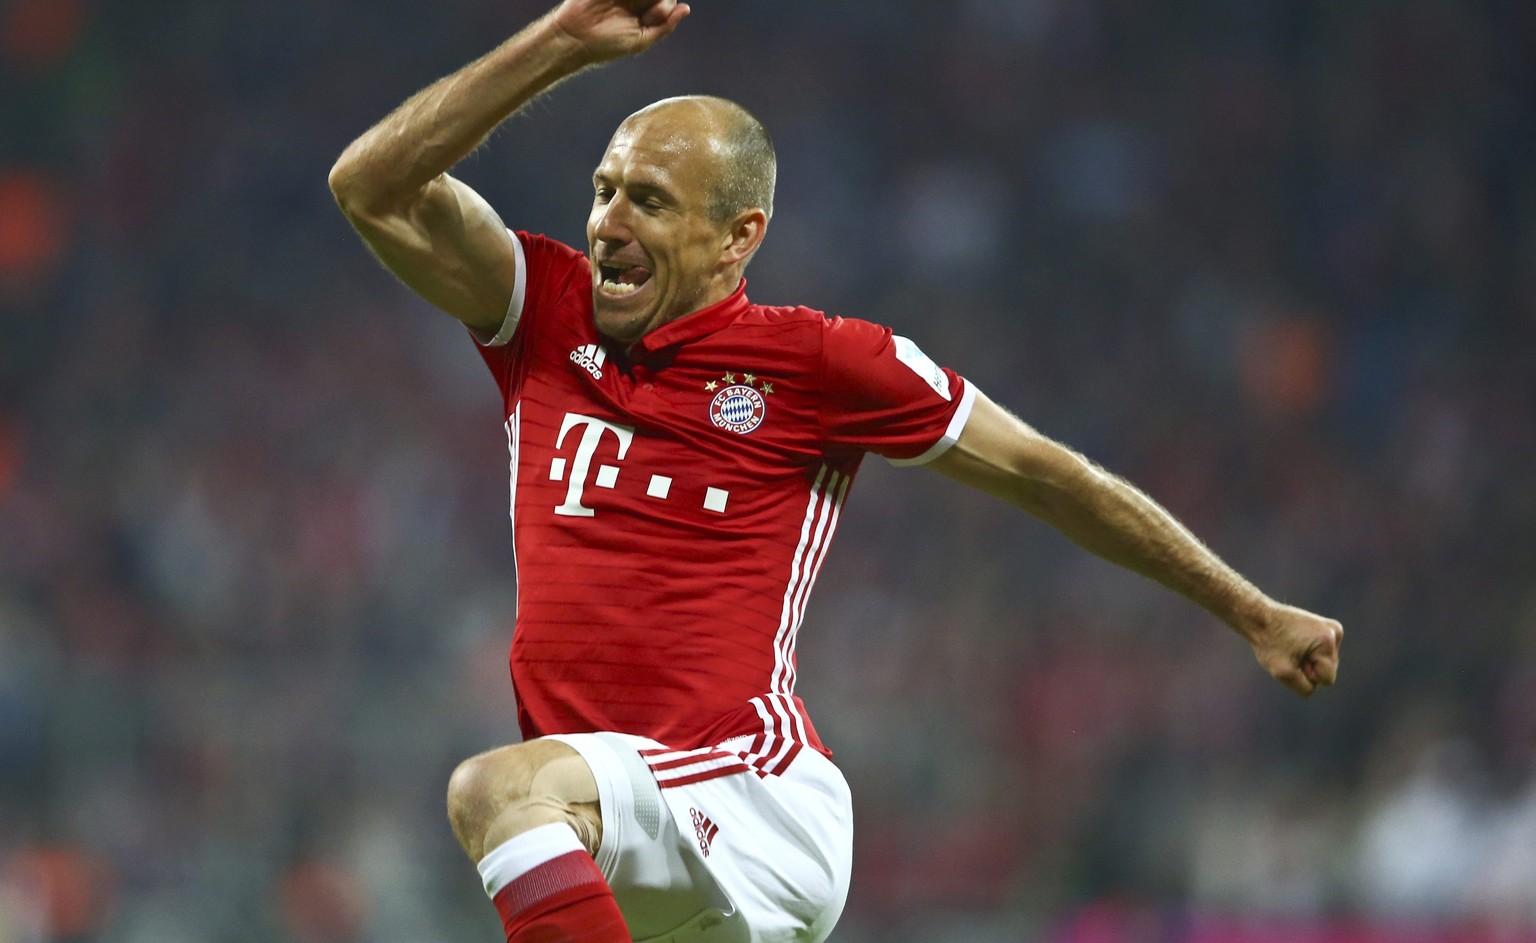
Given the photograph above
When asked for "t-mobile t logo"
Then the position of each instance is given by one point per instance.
(591, 436)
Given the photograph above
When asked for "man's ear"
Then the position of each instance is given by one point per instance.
(744, 235)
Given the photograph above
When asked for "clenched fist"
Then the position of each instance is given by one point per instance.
(610, 29)
(1300, 649)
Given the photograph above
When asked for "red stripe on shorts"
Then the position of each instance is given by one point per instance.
(732, 769)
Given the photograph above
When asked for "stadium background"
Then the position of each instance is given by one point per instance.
(1274, 260)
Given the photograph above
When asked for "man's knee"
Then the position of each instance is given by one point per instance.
(502, 793)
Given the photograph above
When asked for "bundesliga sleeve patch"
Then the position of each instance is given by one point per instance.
(920, 364)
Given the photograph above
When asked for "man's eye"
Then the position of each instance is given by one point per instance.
(603, 195)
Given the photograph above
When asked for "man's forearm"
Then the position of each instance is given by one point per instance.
(1001, 455)
(1112, 518)
(440, 125)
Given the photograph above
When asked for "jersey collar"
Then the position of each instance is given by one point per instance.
(693, 326)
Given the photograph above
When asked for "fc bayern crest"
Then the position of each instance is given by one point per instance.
(738, 409)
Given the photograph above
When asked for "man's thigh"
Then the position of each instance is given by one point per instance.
(722, 855)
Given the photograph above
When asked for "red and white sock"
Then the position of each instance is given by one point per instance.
(549, 890)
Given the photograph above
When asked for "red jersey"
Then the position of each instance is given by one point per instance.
(673, 503)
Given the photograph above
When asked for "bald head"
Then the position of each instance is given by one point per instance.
(745, 166)
(680, 203)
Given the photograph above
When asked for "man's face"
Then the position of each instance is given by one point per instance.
(653, 244)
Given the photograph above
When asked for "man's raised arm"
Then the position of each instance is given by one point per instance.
(433, 231)
(999, 454)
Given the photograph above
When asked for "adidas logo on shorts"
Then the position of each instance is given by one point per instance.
(704, 829)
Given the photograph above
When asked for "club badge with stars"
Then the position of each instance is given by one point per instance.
(738, 407)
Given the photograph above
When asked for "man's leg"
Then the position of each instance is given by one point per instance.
(529, 816)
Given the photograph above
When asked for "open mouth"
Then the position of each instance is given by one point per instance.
(622, 279)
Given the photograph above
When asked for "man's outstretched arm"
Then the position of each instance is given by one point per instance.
(999, 454)
(433, 231)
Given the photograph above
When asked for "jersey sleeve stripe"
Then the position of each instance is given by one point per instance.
(519, 294)
(951, 433)
(514, 443)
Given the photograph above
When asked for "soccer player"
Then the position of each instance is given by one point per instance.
(680, 457)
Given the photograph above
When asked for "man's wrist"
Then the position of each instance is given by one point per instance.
(543, 53)
(1253, 616)
(564, 47)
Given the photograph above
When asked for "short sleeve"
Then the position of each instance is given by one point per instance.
(882, 394)
(515, 305)
(546, 271)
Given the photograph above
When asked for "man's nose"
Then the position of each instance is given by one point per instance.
(611, 222)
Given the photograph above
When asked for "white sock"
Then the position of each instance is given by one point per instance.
(520, 854)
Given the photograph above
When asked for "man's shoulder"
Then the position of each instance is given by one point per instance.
(557, 280)
(547, 255)
(785, 314)
(788, 320)
(810, 330)
(811, 318)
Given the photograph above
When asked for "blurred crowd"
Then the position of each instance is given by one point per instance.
(1275, 261)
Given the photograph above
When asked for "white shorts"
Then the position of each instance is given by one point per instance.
(712, 858)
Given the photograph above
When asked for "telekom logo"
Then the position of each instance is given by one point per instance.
(591, 437)
(577, 471)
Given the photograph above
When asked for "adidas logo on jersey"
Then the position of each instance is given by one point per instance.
(704, 829)
(590, 357)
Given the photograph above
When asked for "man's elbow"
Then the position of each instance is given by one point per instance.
(363, 194)
(358, 189)
(347, 185)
